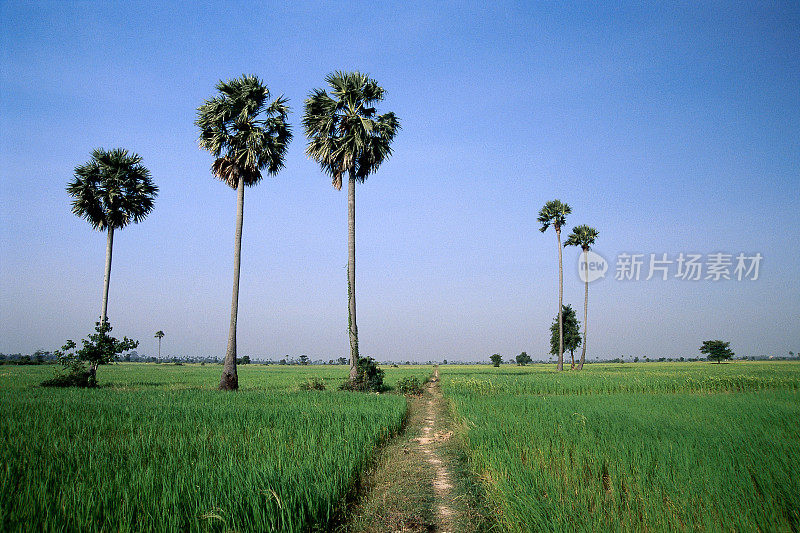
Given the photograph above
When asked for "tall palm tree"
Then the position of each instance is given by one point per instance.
(243, 145)
(555, 213)
(110, 191)
(159, 335)
(347, 136)
(583, 236)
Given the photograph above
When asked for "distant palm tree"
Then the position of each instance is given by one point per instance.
(243, 146)
(346, 136)
(583, 236)
(159, 335)
(110, 191)
(555, 213)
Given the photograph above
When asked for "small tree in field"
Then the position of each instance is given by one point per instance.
(496, 359)
(572, 333)
(100, 349)
(523, 359)
(369, 377)
(304, 359)
(716, 350)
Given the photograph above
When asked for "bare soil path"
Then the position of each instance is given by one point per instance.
(420, 481)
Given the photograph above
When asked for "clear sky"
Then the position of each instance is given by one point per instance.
(671, 128)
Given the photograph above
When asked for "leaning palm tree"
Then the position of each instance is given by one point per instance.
(110, 191)
(583, 236)
(159, 335)
(346, 136)
(555, 213)
(243, 145)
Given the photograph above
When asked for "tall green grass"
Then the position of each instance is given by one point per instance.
(712, 458)
(151, 376)
(156, 449)
(621, 378)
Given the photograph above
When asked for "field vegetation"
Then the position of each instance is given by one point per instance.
(634, 447)
(156, 447)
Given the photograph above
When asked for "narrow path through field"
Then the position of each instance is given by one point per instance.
(419, 481)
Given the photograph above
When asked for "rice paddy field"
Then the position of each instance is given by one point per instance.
(621, 447)
(157, 448)
(634, 447)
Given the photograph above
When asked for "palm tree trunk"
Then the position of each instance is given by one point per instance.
(351, 274)
(230, 379)
(585, 308)
(107, 278)
(560, 304)
(159, 347)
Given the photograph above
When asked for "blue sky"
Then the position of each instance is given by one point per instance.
(670, 128)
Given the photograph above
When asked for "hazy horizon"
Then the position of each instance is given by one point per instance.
(671, 129)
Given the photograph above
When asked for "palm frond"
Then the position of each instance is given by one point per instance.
(553, 213)
(243, 144)
(582, 236)
(112, 190)
(344, 134)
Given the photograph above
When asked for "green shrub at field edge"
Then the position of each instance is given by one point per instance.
(313, 384)
(410, 385)
(369, 377)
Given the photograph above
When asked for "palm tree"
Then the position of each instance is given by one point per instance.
(583, 236)
(159, 335)
(243, 145)
(555, 213)
(110, 191)
(347, 136)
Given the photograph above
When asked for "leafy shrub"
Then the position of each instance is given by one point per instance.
(100, 349)
(369, 377)
(72, 378)
(410, 385)
(313, 384)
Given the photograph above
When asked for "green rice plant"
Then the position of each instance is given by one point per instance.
(715, 458)
(156, 448)
(621, 378)
(152, 376)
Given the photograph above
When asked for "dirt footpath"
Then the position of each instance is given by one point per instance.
(419, 481)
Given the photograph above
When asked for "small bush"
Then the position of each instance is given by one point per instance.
(369, 377)
(410, 385)
(75, 377)
(99, 349)
(313, 384)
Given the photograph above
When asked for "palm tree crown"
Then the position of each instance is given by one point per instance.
(112, 190)
(553, 213)
(345, 134)
(583, 236)
(242, 144)
(159, 334)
